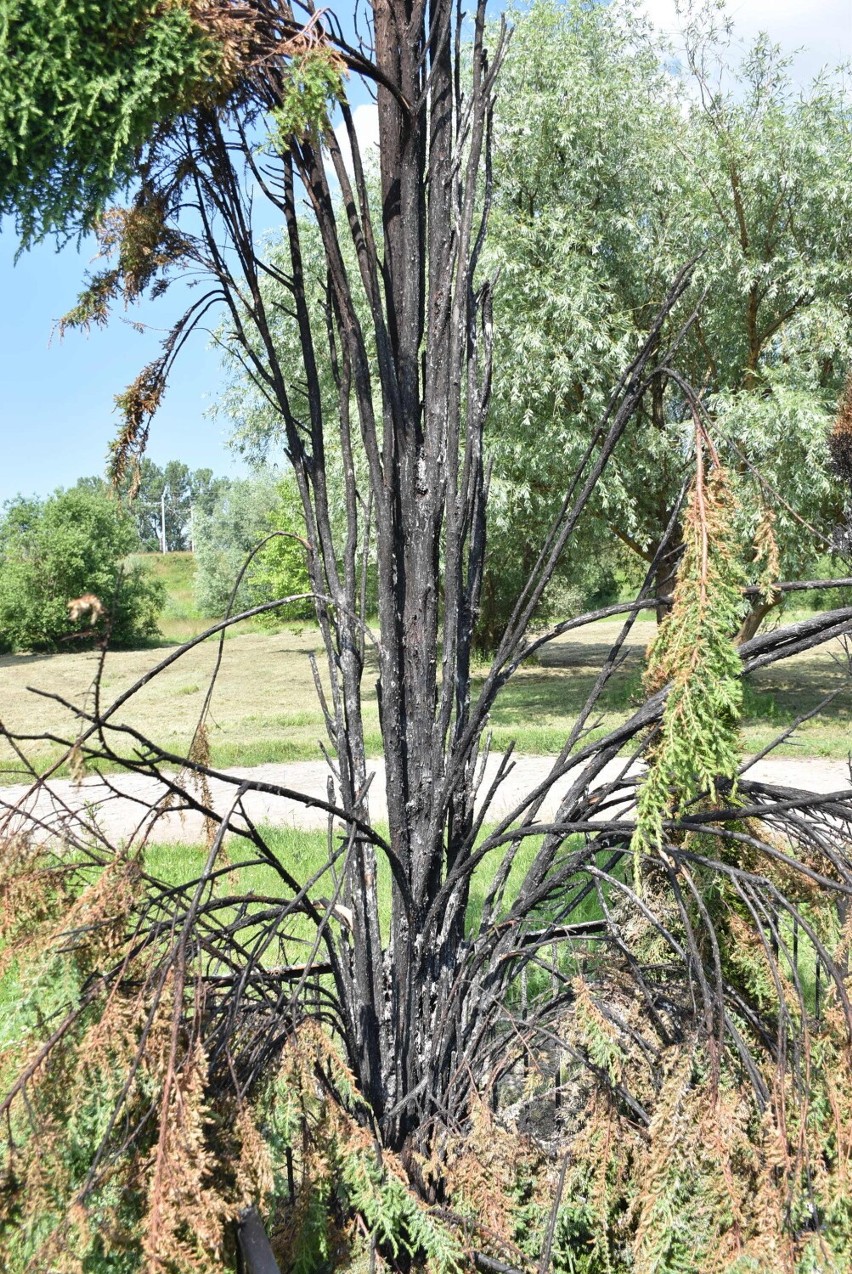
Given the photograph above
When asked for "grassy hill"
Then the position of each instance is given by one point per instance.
(181, 617)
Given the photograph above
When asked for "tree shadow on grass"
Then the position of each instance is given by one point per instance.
(34, 657)
(558, 686)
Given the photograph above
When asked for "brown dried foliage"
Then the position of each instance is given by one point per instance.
(125, 1049)
(719, 1175)
(142, 241)
(252, 42)
(767, 556)
(137, 405)
(478, 1171)
(185, 1214)
(142, 245)
(840, 438)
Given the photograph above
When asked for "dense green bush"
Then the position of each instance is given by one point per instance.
(281, 565)
(55, 550)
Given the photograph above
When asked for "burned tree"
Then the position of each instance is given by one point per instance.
(208, 994)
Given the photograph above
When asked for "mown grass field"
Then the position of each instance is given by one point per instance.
(264, 706)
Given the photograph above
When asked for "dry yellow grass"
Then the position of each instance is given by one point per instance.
(265, 707)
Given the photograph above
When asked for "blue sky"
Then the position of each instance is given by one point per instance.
(56, 397)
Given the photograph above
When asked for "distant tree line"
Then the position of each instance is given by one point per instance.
(84, 541)
(189, 493)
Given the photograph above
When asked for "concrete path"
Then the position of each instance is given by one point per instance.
(122, 804)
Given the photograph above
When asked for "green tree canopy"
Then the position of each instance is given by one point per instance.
(52, 551)
(187, 493)
(612, 168)
(610, 171)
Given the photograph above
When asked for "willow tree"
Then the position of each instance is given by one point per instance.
(217, 1045)
(727, 154)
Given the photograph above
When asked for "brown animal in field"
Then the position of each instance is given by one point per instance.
(87, 605)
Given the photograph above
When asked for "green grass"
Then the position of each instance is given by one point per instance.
(224, 755)
(305, 855)
(181, 618)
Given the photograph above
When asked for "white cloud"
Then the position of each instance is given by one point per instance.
(821, 29)
(366, 120)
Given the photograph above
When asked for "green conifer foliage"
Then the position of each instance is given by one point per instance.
(83, 84)
(695, 656)
(315, 83)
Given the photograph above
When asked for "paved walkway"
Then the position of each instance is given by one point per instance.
(122, 803)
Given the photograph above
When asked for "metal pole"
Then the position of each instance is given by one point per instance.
(163, 520)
